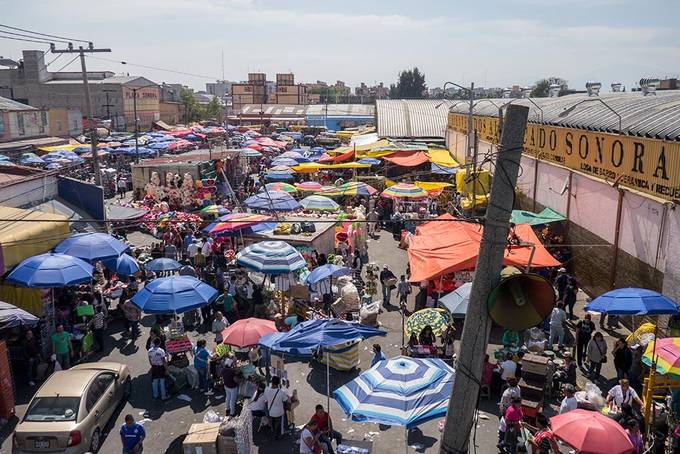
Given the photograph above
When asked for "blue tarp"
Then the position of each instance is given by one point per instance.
(326, 332)
(633, 301)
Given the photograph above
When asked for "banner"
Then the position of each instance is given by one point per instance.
(648, 165)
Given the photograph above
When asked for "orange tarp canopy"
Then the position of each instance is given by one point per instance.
(440, 248)
(408, 159)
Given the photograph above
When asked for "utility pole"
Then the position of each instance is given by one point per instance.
(88, 100)
(464, 397)
(134, 109)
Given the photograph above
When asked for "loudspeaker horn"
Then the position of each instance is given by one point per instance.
(521, 301)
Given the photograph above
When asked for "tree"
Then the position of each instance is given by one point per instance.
(542, 87)
(411, 84)
(212, 110)
(193, 111)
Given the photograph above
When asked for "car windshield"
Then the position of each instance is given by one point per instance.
(55, 408)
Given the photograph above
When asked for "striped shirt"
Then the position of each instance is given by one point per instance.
(323, 287)
(98, 320)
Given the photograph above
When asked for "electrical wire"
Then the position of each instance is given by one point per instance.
(42, 34)
(54, 59)
(153, 67)
(67, 64)
(31, 36)
(22, 39)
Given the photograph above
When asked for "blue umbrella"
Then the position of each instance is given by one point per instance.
(271, 257)
(31, 160)
(49, 271)
(279, 176)
(53, 166)
(3, 157)
(250, 153)
(272, 342)
(272, 201)
(633, 301)
(82, 149)
(325, 271)
(326, 332)
(400, 391)
(159, 145)
(124, 265)
(290, 162)
(162, 264)
(92, 246)
(371, 161)
(174, 295)
(457, 301)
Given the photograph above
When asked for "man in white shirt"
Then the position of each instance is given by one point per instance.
(511, 392)
(219, 324)
(569, 402)
(508, 367)
(309, 438)
(158, 361)
(623, 394)
(207, 248)
(557, 320)
(275, 398)
(193, 248)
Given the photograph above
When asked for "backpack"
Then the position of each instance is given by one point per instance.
(308, 227)
(295, 229)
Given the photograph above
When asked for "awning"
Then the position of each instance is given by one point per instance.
(442, 157)
(25, 233)
(544, 217)
(408, 159)
(440, 248)
(311, 167)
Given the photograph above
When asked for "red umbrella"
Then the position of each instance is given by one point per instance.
(247, 332)
(590, 432)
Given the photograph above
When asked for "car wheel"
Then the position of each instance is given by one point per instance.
(96, 440)
(127, 388)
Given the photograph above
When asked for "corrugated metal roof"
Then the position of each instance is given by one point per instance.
(412, 118)
(293, 110)
(10, 104)
(656, 116)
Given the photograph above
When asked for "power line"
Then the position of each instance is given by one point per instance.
(42, 34)
(154, 68)
(26, 40)
(54, 59)
(31, 36)
(67, 64)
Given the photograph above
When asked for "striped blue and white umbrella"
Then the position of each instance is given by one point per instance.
(400, 391)
(271, 257)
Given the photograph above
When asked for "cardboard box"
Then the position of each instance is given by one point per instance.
(201, 439)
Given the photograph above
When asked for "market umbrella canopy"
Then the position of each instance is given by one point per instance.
(247, 332)
(438, 319)
(544, 217)
(50, 270)
(308, 186)
(591, 432)
(125, 265)
(92, 246)
(11, 317)
(272, 201)
(319, 203)
(457, 301)
(326, 332)
(351, 188)
(174, 295)
(288, 162)
(283, 187)
(326, 271)
(271, 257)
(235, 221)
(404, 191)
(214, 210)
(667, 353)
(279, 176)
(633, 301)
(162, 264)
(272, 342)
(399, 391)
(371, 161)
(281, 168)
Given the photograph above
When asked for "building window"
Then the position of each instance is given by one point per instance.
(20, 124)
(2, 126)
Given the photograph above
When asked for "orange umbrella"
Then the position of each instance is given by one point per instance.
(247, 332)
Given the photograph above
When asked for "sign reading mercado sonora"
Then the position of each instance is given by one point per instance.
(647, 165)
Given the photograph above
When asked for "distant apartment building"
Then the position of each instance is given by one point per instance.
(287, 92)
(113, 97)
(254, 91)
(21, 121)
(379, 91)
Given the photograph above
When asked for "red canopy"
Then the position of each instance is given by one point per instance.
(343, 156)
(440, 248)
(590, 432)
(408, 159)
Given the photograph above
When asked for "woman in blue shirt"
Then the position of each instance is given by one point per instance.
(201, 357)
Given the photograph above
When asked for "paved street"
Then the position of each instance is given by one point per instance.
(168, 422)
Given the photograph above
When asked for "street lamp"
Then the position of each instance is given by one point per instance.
(569, 110)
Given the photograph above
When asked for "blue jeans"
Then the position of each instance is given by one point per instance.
(158, 387)
(64, 360)
(594, 369)
(327, 439)
(202, 378)
(386, 293)
(230, 400)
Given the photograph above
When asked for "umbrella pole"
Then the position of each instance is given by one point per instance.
(649, 392)
(405, 440)
(54, 311)
(328, 383)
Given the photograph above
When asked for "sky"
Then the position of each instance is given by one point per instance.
(494, 43)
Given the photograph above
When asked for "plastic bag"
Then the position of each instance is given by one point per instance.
(211, 416)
